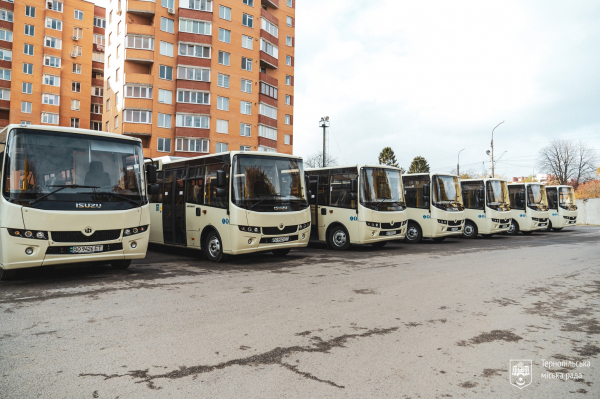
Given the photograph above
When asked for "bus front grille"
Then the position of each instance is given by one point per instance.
(274, 231)
(78, 236)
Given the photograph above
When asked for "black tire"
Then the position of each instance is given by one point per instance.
(213, 247)
(514, 229)
(7, 274)
(549, 227)
(281, 252)
(338, 238)
(470, 230)
(557, 228)
(379, 244)
(439, 239)
(120, 264)
(414, 234)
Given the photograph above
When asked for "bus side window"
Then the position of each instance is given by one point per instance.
(210, 191)
(516, 194)
(340, 191)
(413, 193)
(552, 198)
(160, 181)
(323, 192)
(471, 197)
(195, 191)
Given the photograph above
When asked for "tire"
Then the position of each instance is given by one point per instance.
(557, 228)
(379, 244)
(6, 274)
(439, 239)
(281, 252)
(414, 234)
(338, 238)
(527, 232)
(213, 248)
(120, 264)
(549, 227)
(513, 230)
(470, 230)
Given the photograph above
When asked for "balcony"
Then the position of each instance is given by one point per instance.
(139, 29)
(268, 79)
(270, 3)
(142, 8)
(139, 78)
(5, 104)
(137, 129)
(269, 17)
(145, 57)
(268, 61)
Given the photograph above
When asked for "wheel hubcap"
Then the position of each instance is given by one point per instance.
(512, 228)
(339, 238)
(412, 233)
(469, 230)
(214, 247)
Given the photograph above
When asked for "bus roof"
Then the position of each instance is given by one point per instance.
(353, 166)
(67, 130)
(483, 179)
(429, 174)
(171, 159)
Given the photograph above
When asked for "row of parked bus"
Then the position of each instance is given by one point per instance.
(72, 195)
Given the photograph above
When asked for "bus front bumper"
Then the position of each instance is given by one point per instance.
(442, 230)
(369, 235)
(244, 242)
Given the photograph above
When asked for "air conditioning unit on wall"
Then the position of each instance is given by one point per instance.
(171, 11)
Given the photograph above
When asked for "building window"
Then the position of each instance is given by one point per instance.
(138, 92)
(193, 97)
(50, 118)
(168, 4)
(99, 57)
(4, 74)
(96, 126)
(117, 99)
(246, 107)
(245, 148)
(29, 30)
(52, 61)
(107, 122)
(248, 20)
(267, 132)
(195, 121)
(269, 27)
(27, 88)
(167, 25)
(97, 91)
(223, 103)
(27, 68)
(108, 104)
(118, 28)
(30, 11)
(224, 35)
(5, 55)
(191, 145)
(246, 64)
(165, 72)
(289, 21)
(5, 94)
(247, 42)
(76, 87)
(140, 42)
(289, 3)
(288, 80)
(164, 145)
(52, 80)
(190, 73)
(192, 26)
(201, 5)
(287, 139)
(248, 2)
(288, 41)
(223, 58)
(54, 5)
(28, 49)
(268, 48)
(75, 122)
(164, 120)
(269, 112)
(288, 120)
(221, 147)
(222, 126)
(165, 96)
(77, 69)
(53, 42)
(53, 24)
(268, 90)
(246, 86)
(166, 49)
(225, 13)
(78, 33)
(79, 15)
(99, 39)
(288, 99)
(75, 105)
(116, 122)
(76, 51)
(193, 50)
(223, 81)
(137, 116)
(96, 109)
(100, 22)
(288, 60)
(26, 107)
(245, 129)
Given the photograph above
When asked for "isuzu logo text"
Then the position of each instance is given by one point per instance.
(87, 206)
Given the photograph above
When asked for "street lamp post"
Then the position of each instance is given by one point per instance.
(324, 123)
(458, 163)
(493, 147)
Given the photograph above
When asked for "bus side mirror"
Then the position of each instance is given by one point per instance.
(151, 173)
(221, 192)
(221, 179)
(353, 196)
(153, 189)
(353, 186)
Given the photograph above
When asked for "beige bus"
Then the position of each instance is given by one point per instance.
(358, 204)
(70, 195)
(528, 206)
(231, 203)
(562, 208)
(434, 206)
(487, 208)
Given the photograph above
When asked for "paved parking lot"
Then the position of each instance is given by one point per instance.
(434, 320)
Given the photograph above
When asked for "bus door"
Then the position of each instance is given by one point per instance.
(313, 201)
(174, 207)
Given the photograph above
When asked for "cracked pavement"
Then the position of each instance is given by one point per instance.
(434, 320)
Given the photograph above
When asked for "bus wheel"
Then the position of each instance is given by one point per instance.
(281, 252)
(549, 226)
(513, 230)
(413, 233)
(339, 238)
(557, 229)
(214, 247)
(6, 274)
(470, 230)
(120, 264)
(379, 244)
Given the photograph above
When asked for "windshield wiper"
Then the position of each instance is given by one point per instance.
(264, 198)
(376, 206)
(61, 187)
(135, 202)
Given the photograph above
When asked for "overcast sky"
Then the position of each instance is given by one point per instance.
(432, 77)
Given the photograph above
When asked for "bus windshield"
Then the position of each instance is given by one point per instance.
(268, 184)
(567, 198)
(381, 189)
(446, 193)
(536, 197)
(77, 167)
(497, 195)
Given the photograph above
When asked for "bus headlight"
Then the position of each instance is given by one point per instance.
(442, 221)
(33, 234)
(372, 224)
(133, 245)
(250, 229)
(134, 230)
(304, 226)
(29, 251)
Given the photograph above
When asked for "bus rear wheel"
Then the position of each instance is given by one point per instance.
(379, 244)
(120, 264)
(281, 252)
(470, 230)
(338, 238)
(213, 247)
(6, 274)
(413, 233)
(513, 230)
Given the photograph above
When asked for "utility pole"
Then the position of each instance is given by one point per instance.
(458, 163)
(493, 147)
(324, 123)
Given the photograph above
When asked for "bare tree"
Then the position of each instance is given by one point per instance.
(316, 160)
(568, 161)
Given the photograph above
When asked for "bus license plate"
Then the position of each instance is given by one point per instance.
(390, 233)
(86, 249)
(503, 226)
(453, 229)
(280, 239)
(543, 224)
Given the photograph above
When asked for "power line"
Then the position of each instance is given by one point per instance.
(338, 146)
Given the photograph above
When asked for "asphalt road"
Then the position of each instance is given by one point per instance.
(434, 320)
